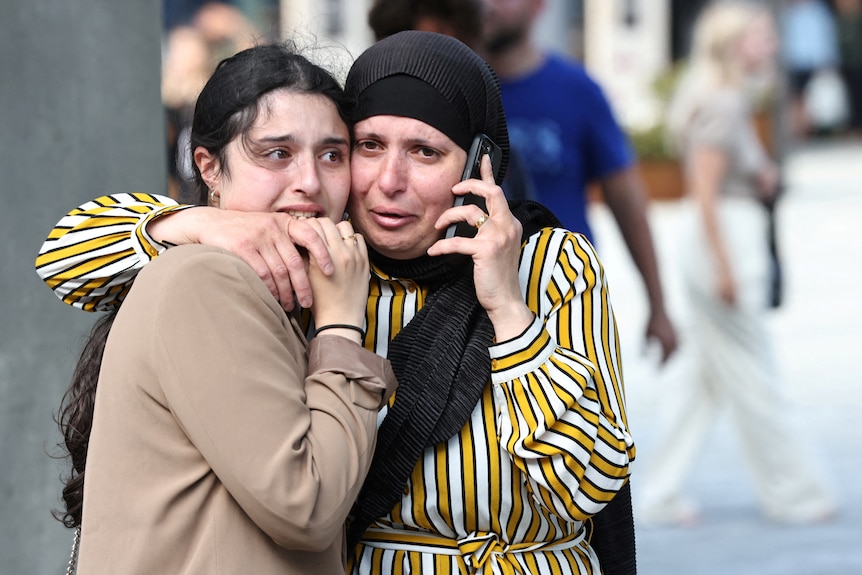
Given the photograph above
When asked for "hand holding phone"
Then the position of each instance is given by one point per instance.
(482, 146)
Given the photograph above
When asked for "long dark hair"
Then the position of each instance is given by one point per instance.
(226, 108)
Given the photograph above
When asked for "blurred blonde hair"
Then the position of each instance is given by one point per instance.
(713, 63)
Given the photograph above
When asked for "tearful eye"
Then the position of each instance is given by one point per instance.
(428, 152)
(278, 154)
(332, 156)
(367, 145)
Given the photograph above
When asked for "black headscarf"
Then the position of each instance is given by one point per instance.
(433, 78)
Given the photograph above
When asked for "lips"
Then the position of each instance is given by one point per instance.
(391, 219)
(301, 211)
(299, 215)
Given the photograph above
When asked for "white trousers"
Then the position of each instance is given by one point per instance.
(732, 366)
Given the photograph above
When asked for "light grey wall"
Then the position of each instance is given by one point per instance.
(80, 115)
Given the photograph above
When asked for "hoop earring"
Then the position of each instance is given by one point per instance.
(214, 197)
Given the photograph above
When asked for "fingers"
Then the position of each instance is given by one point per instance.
(660, 330)
(261, 240)
(308, 235)
(344, 229)
(343, 243)
(351, 237)
(486, 188)
(486, 170)
(338, 235)
(288, 263)
(353, 240)
(342, 296)
(264, 263)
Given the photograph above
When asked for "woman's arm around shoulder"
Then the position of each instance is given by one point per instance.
(95, 251)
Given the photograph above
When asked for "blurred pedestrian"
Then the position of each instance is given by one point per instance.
(186, 66)
(565, 131)
(226, 28)
(849, 26)
(215, 31)
(461, 19)
(809, 48)
(725, 263)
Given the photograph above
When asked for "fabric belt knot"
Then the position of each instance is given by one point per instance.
(481, 546)
(479, 549)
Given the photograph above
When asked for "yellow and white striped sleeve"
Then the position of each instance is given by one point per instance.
(564, 421)
(95, 251)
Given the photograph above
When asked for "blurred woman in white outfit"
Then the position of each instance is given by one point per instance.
(725, 265)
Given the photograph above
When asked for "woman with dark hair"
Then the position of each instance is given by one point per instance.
(211, 435)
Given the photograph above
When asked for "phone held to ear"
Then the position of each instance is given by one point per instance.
(482, 146)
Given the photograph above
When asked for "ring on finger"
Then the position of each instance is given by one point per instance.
(351, 237)
(482, 219)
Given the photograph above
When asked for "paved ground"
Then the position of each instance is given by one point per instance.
(818, 334)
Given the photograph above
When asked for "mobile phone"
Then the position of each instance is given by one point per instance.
(482, 146)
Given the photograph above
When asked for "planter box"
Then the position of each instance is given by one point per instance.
(662, 180)
(662, 177)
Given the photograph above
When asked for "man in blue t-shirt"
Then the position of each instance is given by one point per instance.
(565, 132)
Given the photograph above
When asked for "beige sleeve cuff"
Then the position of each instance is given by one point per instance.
(370, 377)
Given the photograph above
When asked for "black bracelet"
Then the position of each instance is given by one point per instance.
(340, 326)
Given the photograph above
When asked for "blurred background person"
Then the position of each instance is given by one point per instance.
(226, 29)
(849, 26)
(461, 19)
(725, 264)
(192, 48)
(810, 46)
(562, 126)
(186, 66)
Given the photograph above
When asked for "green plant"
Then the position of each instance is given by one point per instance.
(651, 143)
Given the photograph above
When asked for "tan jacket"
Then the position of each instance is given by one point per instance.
(221, 445)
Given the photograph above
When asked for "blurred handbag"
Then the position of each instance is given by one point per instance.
(775, 295)
(826, 103)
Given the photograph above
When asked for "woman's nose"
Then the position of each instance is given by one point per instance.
(392, 175)
(308, 181)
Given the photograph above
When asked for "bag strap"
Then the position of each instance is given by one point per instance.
(76, 545)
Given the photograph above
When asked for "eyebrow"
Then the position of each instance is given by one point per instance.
(416, 141)
(290, 138)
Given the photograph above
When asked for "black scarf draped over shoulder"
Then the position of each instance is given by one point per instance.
(442, 363)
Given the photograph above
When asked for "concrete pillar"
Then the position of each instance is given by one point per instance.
(80, 115)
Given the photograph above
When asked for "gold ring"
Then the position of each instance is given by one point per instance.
(482, 219)
(351, 237)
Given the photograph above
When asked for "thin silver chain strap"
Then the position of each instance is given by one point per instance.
(73, 560)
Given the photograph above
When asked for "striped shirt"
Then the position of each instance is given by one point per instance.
(92, 255)
(546, 447)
